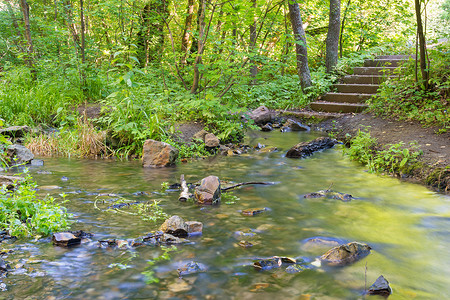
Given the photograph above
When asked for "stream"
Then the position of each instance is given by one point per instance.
(406, 225)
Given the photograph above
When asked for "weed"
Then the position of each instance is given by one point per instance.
(150, 273)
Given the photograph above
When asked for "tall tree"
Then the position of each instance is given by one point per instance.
(300, 44)
(186, 31)
(26, 19)
(253, 36)
(332, 43)
(200, 45)
(422, 45)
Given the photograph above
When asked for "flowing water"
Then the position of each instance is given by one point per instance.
(406, 225)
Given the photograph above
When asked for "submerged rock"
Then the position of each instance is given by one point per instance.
(245, 244)
(330, 195)
(18, 154)
(191, 267)
(292, 269)
(320, 243)
(380, 287)
(291, 125)
(268, 127)
(209, 191)
(253, 211)
(194, 227)
(306, 149)
(175, 226)
(268, 264)
(4, 267)
(158, 154)
(171, 239)
(65, 239)
(346, 254)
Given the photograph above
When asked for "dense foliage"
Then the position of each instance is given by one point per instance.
(154, 63)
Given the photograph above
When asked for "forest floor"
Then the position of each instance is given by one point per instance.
(434, 167)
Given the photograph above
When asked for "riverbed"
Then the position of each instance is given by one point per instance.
(406, 225)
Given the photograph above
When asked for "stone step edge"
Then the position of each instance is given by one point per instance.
(340, 103)
(348, 94)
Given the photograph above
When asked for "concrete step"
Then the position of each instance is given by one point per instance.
(346, 97)
(396, 57)
(363, 79)
(373, 70)
(357, 88)
(332, 107)
(383, 62)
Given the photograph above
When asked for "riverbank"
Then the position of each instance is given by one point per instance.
(432, 169)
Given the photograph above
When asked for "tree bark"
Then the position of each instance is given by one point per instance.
(26, 19)
(186, 31)
(83, 29)
(198, 59)
(332, 43)
(300, 44)
(253, 36)
(342, 29)
(422, 45)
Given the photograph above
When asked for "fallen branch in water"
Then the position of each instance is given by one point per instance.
(184, 195)
(246, 183)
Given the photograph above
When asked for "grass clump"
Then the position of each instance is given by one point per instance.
(393, 158)
(22, 214)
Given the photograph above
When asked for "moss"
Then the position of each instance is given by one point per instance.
(439, 179)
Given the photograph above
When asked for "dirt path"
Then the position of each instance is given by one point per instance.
(436, 147)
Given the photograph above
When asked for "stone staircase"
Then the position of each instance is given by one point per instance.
(352, 93)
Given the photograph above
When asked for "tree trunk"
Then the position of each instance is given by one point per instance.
(422, 45)
(300, 44)
(83, 29)
(186, 31)
(253, 33)
(342, 29)
(26, 19)
(332, 43)
(198, 59)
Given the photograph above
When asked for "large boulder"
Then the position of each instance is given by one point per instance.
(208, 192)
(305, 149)
(158, 154)
(18, 154)
(345, 254)
(175, 226)
(15, 131)
(261, 115)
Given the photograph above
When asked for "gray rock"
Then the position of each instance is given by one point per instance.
(175, 226)
(158, 154)
(346, 254)
(305, 149)
(268, 264)
(18, 154)
(209, 191)
(37, 162)
(211, 141)
(261, 115)
(380, 287)
(170, 239)
(15, 131)
(191, 267)
(291, 125)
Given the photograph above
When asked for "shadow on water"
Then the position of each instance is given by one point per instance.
(406, 225)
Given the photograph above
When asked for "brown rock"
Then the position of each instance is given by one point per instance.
(209, 191)
(346, 254)
(253, 211)
(65, 239)
(380, 287)
(10, 181)
(175, 226)
(211, 141)
(158, 154)
(292, 125)
(194, 227)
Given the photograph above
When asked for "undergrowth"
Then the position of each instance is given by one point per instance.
(402, 97)
(396, 159)
(23, 214)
